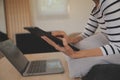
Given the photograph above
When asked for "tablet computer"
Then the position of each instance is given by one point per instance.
(39, 32)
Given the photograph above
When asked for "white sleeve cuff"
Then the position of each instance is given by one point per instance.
(103, 51)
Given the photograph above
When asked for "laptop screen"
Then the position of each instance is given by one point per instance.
(14, 55)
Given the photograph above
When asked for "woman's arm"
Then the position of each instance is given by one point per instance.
(70, 52)
(87, 53)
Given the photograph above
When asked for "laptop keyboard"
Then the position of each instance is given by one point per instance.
(37, 66)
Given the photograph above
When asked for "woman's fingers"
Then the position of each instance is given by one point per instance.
(49, 41)
(66, 46)
(68, 49)
(58, 33)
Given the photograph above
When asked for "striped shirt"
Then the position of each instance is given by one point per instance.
(107, 17)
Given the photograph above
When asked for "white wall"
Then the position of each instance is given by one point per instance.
(78, 16)
(2, 17)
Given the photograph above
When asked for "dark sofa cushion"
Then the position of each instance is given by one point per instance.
(29, 43)
(104, 72)
(3, 36)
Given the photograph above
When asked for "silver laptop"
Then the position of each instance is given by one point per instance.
(26, 67)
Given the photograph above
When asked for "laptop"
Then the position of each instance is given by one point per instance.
(39, 32)
(26, 67)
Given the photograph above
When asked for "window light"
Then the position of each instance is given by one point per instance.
(52, 7)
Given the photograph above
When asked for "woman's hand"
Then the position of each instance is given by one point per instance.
(69, 39)
(66, 49)
(60, 34)
(74, 39)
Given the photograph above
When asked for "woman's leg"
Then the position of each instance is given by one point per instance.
(80, 67)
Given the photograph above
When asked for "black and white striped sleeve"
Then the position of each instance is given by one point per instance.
(91, 27)
(112, 22)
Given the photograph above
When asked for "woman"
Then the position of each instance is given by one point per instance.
(106, 15)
